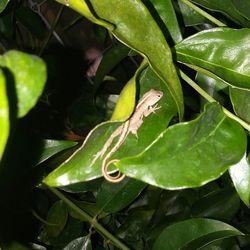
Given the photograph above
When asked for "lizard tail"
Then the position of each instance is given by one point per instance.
(115, 179)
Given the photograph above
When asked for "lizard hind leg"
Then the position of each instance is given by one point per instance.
(114, 179)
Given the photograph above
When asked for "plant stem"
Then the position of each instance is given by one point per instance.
(211, 99)
(204, 13)
(91, 220)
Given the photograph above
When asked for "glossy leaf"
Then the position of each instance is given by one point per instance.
(78, 167)
(226, 7)
(129, 19)
(190, 17)
(4, 114)
(240, 175)
(57, 218)
(222, 205)
(29, 75)
(3, 4)
(167, 14)
(82, 243)
(52, 147)
(189, 154)
(113, 198)
(201, 232)
(240, 99)
(222, 51)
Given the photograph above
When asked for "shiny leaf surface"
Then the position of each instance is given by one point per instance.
(222, 51)
(203, 231)
(240, 175)
(189, 154)
(29, 75)
(4, 114)
(3, 5)
(82, 243)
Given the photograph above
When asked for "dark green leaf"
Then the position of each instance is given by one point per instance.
(167, 14)
(190, 17)
(82, 243)
(181, 234)
(240, 99)
(243, 7)
(78, 167)
(189, 154)
(57, 218)
(3, 4)
(112, 198)
(109, 60)
(29, 74)
(240, 174)
(52, 147)
(221, 205)
(226, 7)
(221, 51)
(4, 114)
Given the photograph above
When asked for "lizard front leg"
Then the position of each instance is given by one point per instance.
(151, 109)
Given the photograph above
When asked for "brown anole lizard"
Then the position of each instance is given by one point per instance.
(146, 105)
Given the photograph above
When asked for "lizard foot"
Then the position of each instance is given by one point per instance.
(115, 179)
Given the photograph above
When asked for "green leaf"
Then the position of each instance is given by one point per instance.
(52, 147)
(29, 75)
(222, 51)
(113, 198)
(4, 114)
(81, 243)
(240, 175)
(227, 7)
(79, 167)
(240, 99)
(190, 17)
(109, 60)
(3, 4)
(167, 14)
(57, 218)
(200, 232)
(135, 27)
(222, 205)
(189, 154)
(243, 7)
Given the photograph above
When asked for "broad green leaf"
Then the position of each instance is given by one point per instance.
(240, 99)
(189, 154)
(167, 14)
(222, 51)
(222, 205)
(109, 60)
(29, 75)
(113, 198)
(240, 175)
(227, 7)
(4, 114)
(190, 17)
(57, 218)
(199, 232)
(3, 4)
(79, 167)
(82, 7)
(243, 7)
(52, 147)
(135, 27)
(82, 243)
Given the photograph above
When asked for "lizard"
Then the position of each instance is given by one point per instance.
(146, 105)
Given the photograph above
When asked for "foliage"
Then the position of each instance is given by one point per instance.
(187, 182)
